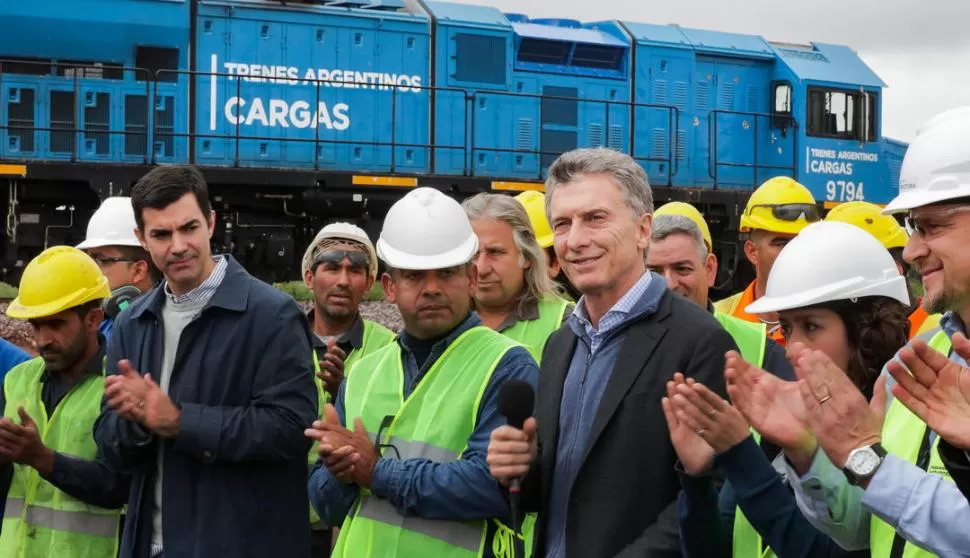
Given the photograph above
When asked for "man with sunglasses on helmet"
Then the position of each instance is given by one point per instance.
(340, 267)
(776, 212)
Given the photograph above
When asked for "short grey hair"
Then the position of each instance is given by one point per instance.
(667, 225)
(626, 173)
(499, 207)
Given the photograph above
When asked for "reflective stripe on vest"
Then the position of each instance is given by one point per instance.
(39, 519)
(434, 423)
(904, 435)
(746, 540)
(99, 525)
(375, 336)
(534, 333)
(749, 337)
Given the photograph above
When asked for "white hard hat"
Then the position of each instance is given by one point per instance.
(426, 230)
(341, 231)
(113, 224)
(936, 166)
(829, 261)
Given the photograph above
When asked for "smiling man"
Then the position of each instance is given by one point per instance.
(402, 453)
(209, 389)
(597, 458)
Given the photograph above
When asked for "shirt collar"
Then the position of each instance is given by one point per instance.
(951, 323)
(524, 311)
(353, 336)
(622, 307)
(206, 289)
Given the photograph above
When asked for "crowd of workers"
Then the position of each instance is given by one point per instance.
(180, 407)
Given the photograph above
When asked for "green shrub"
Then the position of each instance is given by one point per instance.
(300, 292)
(7, 291)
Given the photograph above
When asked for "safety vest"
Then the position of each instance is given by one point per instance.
(734, 305)
(921, 322)
(534, 333)
(40, 520)
(746, 540)
(903, 435)
(434, 423)
(375, 337)
(749, 337)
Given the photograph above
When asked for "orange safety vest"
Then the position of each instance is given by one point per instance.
(735, 305)
(920, 321)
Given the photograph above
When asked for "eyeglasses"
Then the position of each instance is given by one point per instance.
(378, 446)
(792, 211)
(105, 260)
(357, 259)
(922, 224)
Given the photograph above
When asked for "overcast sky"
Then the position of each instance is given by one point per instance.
(920, 48)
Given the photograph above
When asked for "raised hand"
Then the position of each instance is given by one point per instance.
(332, 367)
(713, 418)
(938, 391)
(771, 405)
(696, 455)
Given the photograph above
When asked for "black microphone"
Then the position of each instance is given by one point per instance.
(516, 400)
(120, 299)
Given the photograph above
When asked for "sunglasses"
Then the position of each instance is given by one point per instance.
(790, 212)
(357, 259)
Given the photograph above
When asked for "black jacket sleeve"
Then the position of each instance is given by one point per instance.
(957, 462)
(777, 363)
(705, 365)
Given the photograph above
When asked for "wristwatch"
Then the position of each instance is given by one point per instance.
(863, 462)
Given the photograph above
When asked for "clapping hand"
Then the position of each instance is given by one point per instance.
(938, 391)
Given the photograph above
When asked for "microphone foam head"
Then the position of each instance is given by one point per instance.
(516, 400)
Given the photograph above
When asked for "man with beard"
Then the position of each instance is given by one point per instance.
(61, 499)
(340, 267)
(402, 465)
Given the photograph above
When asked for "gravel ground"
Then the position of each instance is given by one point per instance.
(19, 333)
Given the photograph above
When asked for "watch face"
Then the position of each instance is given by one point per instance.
(863, 462)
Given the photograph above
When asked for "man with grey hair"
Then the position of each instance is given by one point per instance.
(513, 295)
(604, 482)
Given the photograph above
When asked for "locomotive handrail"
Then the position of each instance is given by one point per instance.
(712, 158)
(77, 129)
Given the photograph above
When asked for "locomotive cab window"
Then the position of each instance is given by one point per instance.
(781, 105)
(841, 114)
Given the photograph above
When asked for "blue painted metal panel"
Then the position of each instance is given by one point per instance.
(314, 89)
(551, 33)
(669, 36)
(824, 62)
(469, 15)
(664, 83)
(94, 30)
(731, 44)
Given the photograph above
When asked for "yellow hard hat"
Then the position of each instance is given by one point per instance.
(58, 279)
(869, 217)
(689, 211)
(535, 206)
(780, 205)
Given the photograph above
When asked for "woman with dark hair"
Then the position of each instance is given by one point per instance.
(836, 289)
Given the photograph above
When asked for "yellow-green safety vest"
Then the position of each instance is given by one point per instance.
(534, 333)
(434, 423)
(751, 338)
(902, 435)
(375, 336)
(40, 520)
(746, 541)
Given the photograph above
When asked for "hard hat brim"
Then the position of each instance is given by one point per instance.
(19, 311)
(923, 196)
(398, 259)
(894, 288)
(102, 242)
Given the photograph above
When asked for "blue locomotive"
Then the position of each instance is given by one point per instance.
(300, 112)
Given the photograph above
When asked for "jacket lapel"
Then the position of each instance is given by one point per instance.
(642, 339)
(552, 376)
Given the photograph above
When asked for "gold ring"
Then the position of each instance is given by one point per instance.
(824, 399)
(701, 432)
